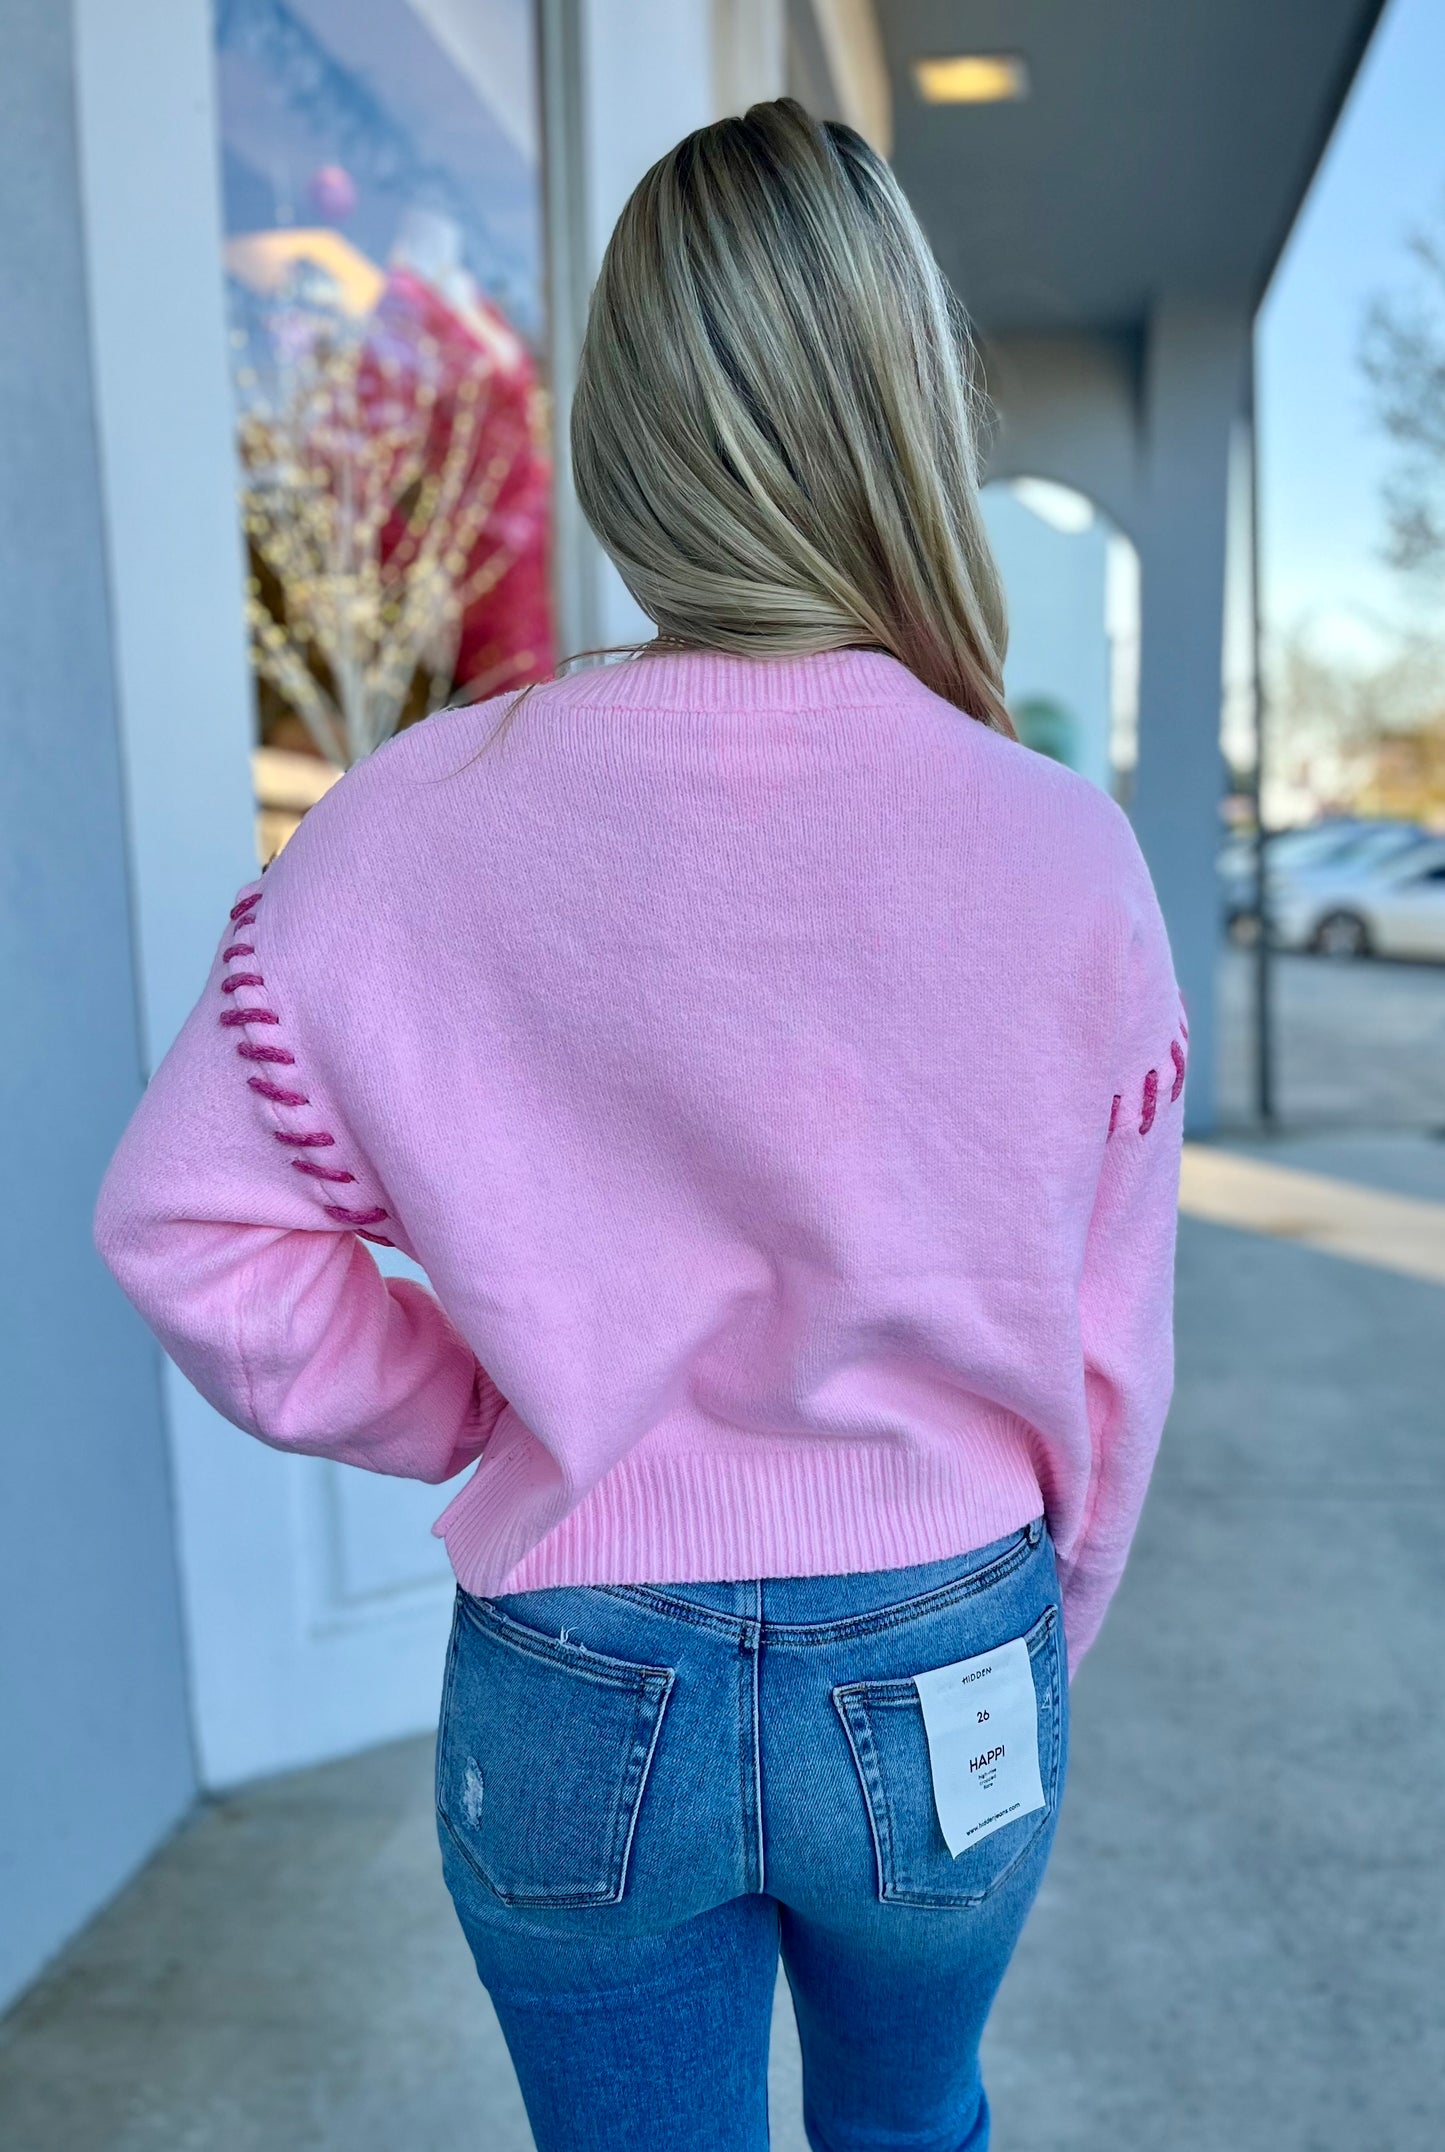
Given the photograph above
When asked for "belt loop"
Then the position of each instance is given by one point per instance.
(1036, 1531)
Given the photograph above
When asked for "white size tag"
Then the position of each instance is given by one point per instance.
(982, 1720)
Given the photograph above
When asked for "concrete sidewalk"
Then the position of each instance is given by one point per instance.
(1240, 1946)
(1358, 1042)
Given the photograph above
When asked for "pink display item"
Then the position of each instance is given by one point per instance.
(778, 1078)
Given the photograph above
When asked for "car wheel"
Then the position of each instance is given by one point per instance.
(1342, 934)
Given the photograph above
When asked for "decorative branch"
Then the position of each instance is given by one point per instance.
(369, 477)
(1402, 355)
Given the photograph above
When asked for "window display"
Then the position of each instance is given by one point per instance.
(381, 187)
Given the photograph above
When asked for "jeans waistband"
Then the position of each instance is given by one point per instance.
(803, 1600)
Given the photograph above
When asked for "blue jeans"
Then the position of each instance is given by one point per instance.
(644, 1793)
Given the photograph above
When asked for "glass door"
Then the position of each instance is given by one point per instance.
(382, 202)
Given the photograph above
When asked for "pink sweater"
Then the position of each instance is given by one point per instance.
(777, 1076)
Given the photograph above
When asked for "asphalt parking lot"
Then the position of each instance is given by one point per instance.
(1360, 1042)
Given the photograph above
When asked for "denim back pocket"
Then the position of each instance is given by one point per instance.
(884, 1724)
(542, 1756)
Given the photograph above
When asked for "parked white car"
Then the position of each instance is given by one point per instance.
(1341, 845)
(1390, 906)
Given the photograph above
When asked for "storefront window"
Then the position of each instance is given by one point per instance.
(381, 179)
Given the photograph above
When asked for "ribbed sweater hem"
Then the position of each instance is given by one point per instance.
(698, 1516)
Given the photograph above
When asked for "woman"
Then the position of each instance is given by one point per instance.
(776, 1070)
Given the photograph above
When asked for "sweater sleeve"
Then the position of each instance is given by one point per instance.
(1127, 1290)
(233, 1216)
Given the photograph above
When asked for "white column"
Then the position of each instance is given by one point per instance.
(151, 191)
(750, 52)
(648, 78)
(149, 170)
(95, 1762)
(1194, 373)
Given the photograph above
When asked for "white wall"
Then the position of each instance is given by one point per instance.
(1058, 630)
(95, 1758)
(649, 79)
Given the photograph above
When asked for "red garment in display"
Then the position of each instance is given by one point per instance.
(423, 342)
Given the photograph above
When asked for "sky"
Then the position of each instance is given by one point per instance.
(1321, 458)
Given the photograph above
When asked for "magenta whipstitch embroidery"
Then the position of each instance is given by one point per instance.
(280, 1094)
(314, 1139)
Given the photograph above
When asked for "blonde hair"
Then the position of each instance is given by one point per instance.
(774, 423)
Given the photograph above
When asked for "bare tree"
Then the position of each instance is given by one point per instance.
(1358, 738)
(1402, 353)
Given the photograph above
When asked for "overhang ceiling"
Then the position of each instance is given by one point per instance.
(1165, 148)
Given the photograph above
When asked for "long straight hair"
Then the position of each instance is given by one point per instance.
(774, 427)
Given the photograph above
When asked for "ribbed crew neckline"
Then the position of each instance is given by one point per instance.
(709, 679)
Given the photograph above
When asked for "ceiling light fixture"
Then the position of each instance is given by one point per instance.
(973, 78)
